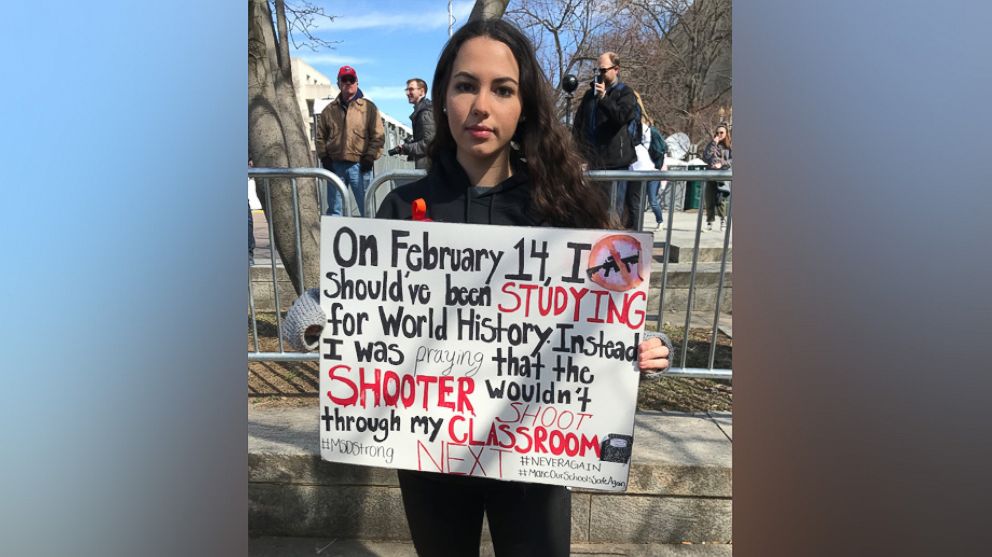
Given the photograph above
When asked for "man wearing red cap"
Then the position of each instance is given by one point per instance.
(349, 139)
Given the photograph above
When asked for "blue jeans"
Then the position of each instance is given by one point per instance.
(354, 178)
(654, 200)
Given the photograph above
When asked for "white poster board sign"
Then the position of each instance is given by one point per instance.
(492, 351)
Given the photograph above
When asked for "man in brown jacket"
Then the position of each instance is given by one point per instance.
(349, 139)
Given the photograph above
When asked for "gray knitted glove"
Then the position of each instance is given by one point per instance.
(304, 322)
(671, 353)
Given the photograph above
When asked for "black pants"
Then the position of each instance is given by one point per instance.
(445, 515)
(632, 205)
(627, 201)
(715, 202)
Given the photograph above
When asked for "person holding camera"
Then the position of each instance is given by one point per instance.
(415, 148)
(349, 139)
(607, 126)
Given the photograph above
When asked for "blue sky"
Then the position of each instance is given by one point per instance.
(387, 42)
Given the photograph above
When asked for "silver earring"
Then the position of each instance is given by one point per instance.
(444, 110)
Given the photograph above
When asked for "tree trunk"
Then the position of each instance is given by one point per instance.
(488, 9)
(277, 138)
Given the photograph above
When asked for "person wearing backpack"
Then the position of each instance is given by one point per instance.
(647, 159)
(657, 151)
(645, 162)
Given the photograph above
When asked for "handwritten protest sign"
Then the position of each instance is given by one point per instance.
(491, 351)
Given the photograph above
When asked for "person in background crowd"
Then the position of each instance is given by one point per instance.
(490, 89)
(349, 139)
(718, 155)
(602, 128)
(644, 162)
(423, 124)
(251, 219)
(659, 153)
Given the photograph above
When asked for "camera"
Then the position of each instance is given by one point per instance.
(395, 150)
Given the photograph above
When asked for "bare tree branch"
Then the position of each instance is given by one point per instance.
(682, 57)
(303, 19)
(282, 45)
(563, 32)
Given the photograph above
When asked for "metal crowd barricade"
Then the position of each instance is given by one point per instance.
(393, 176)
(293, 173)
(612, 176)
(642, 178)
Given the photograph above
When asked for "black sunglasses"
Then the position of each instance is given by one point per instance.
(348, 79)
(602, 71)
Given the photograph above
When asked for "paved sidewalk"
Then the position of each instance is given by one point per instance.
(680, 488)
(330, 547)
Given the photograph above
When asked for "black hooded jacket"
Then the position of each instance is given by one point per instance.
(450, 197)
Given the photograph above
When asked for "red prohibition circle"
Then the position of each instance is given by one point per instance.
(615, 263)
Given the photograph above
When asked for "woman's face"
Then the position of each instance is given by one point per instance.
(483, 99)
(721, 134)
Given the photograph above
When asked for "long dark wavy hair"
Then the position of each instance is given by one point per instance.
(727, 141)
(560, 193)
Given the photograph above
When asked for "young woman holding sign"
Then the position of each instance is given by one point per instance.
(500, 156)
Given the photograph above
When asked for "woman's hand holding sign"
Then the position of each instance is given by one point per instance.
(652, 357)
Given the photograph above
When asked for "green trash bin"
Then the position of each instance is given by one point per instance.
(694, 189)
(694, 195)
